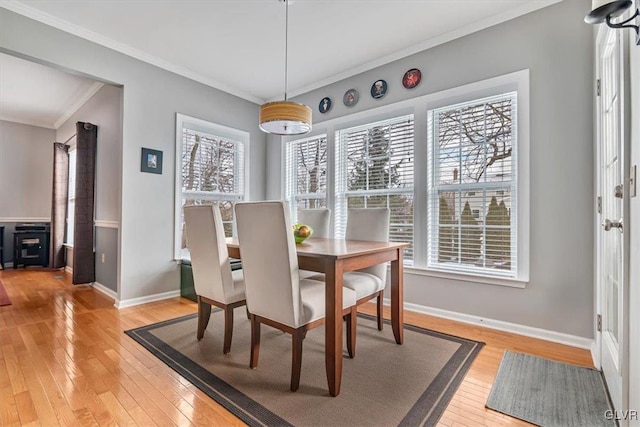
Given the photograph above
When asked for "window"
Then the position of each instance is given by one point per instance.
(472, 187)
(211, 161)
(306, 174)
(374, 168)
(71, 197)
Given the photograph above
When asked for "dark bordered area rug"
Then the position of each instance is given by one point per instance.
(385, 384)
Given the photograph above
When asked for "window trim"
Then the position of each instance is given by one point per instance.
(193, 123)
(73, 147)
(419, 106)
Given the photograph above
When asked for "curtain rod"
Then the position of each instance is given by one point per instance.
(70, 138)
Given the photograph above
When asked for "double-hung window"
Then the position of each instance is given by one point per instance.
(306, 173)
(211, 165)
(374, 168)
(472, 187)
(71, 195)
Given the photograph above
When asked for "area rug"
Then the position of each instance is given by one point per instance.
(384, 385)
(4, 298)
(549, 393)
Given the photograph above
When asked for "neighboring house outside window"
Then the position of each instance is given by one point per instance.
(472, 187)
(212, 170)
(374, 168)
(306, 174)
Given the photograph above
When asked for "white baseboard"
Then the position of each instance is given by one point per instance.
(103, 289)
(68, 269)
(595, 354)
(149, 298)
(529, 331)
(8, 265)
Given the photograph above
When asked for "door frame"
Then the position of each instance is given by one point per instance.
(625, 105)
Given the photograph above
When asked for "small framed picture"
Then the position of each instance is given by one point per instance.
(350, 97)
(378, 89)
(151, 161)
(411, 78)
(325, 105)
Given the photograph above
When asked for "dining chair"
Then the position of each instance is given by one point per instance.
(214, 282)
(276, 295)
(370, 224)
(317, 219)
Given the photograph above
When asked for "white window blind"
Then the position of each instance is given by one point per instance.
(472, 187)
(212, 171)
(306, 174)
(71, 196)
(374, 168)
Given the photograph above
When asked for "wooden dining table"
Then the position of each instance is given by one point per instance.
(333, 257)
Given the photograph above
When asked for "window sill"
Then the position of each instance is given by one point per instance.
(68, 245)
(462, 277)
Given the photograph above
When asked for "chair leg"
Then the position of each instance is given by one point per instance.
(255, 341)
(228, 329)
(380, 323)
(296, 359)
(352, 322)
(204, 313)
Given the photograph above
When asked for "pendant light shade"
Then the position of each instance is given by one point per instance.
(285, 117)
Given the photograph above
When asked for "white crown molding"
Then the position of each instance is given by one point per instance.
(427, 44)
(146, 299)
(73, 108)
(36, 123)
(515, 328)
(106, 224)
(76, 30)
(24, 219)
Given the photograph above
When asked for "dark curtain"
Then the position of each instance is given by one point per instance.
(59, 195)
(84, 268)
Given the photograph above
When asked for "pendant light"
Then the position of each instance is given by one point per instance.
(285, 117)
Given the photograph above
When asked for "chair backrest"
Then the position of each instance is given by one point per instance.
(370, 224)
(209, 256)
(318, 219)
(269, 261)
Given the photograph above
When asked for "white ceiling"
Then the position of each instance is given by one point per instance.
(37, 95)
(238, 45)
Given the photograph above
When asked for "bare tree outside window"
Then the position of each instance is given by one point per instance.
(473, 183)
(212, 171)
(307, 174)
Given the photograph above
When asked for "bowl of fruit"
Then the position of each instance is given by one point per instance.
(301, 232)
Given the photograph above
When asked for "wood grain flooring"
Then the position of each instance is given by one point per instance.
(64, 360)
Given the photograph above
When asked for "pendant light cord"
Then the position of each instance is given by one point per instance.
(286, 46)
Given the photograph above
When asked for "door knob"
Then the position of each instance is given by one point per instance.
(608, 224)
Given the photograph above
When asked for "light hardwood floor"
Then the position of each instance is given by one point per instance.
(64, 359)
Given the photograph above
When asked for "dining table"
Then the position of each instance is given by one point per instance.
(333, 257)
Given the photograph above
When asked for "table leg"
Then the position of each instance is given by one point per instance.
(397, 298)
(333, 325)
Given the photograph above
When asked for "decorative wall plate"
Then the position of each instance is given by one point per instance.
(325, 105)
(378, 89)
(411, 78)
(350, 97)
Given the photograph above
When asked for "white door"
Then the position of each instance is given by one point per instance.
(611, 188)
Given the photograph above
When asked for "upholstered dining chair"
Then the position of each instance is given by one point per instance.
(214, 282)
(276, 295)
(370, 224)
(317, 219)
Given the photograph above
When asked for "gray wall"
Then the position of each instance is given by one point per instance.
(26, 167)
(103, 109)
(152, 97)
(556, 46)
(107, 247)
